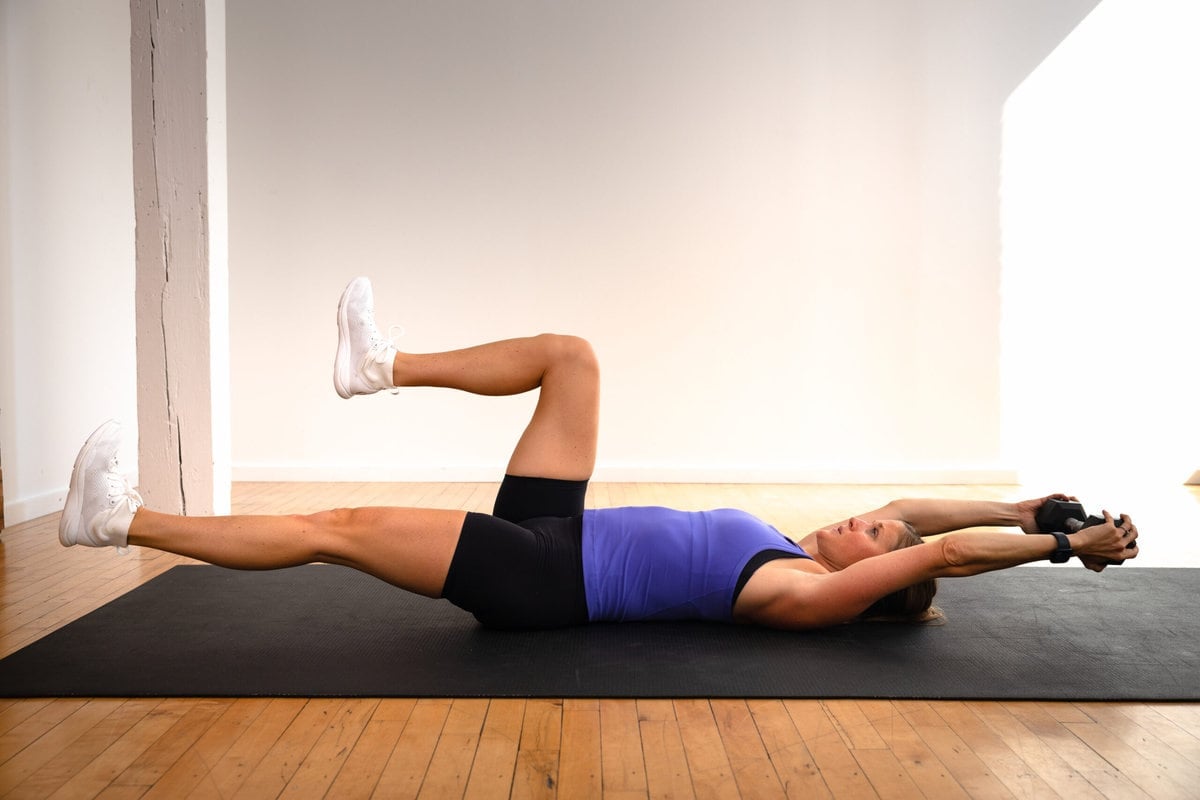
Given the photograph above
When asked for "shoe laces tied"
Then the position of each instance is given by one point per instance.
(120, 491)
(380, 344)
(376, 342)
(378, 351)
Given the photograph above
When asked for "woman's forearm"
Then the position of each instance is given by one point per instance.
(971, 554)
(933, 516)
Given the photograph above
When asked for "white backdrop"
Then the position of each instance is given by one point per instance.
(776, 221)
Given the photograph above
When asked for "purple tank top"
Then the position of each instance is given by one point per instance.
(651, 563)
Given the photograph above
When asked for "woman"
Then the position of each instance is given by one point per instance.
(541, 560)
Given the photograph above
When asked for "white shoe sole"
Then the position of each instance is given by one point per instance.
(343, 370)
(72, 521)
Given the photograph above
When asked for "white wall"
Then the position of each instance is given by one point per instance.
(66, 241)
(777, 222)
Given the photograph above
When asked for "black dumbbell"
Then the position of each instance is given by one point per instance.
(1064, 516)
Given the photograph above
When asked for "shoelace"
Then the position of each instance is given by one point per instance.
(378, 351)
(119, 490)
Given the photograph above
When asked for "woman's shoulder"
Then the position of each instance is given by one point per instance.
(777, 591)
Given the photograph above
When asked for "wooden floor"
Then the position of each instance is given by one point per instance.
(545, 748)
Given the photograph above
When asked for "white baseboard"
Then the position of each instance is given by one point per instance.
(629, 474)
(27, 508)
(23, 509)
(808, 475)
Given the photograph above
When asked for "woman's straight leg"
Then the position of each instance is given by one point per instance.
(408, 547)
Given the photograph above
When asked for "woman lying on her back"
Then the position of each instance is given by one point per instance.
(540, 560)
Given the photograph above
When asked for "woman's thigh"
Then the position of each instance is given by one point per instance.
(408, 547)
(560, 439)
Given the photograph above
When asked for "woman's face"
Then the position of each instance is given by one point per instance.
(856, 539)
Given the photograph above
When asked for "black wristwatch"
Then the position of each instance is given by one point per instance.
(1062, 554)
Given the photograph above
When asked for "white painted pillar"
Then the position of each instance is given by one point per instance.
(182, 305)
(218, 257)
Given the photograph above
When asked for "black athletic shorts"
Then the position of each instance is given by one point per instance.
(522, 566)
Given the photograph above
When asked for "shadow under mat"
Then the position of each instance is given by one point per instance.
(324, 631)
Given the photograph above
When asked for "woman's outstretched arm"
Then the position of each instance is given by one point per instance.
(932, 516)
(799, 600)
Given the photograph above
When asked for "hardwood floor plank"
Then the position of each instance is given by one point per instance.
(496, 757)
(712, 774)
(320, 766)
(148, 768)
(394, 709)
(856, 730)
(365, 763)
(843, 774)
(49, 734)
(585, 753)
(1012, 770)
(1070, 768)
(658, 710)
(1185, 715)
(966, 768)
(667, 768)
(228, 774)
(450, 767)
(117, 757)
(14, 713)
(118, 792)
(622, 764)
(195, 764)
(1065, 712)
(1153, 775)
(887, 775)
(928, 772)
(536, 775)
(536, 772)
(749, 760)
(1186, 744)
(543, 725)
(41, 716)
(1142, 740)
(794, 764)
(405, 770)
(60, 769)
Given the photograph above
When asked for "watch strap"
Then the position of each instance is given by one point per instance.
(1062, 554)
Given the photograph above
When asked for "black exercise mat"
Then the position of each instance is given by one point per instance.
(320, 631)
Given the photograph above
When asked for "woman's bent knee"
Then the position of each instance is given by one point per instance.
(569, 349)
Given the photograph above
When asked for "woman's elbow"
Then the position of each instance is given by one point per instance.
(955, 555)
(899, 508)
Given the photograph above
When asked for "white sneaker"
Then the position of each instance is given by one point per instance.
(363, 364)
(100, 502)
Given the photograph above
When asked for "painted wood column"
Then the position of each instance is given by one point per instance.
(182, 305)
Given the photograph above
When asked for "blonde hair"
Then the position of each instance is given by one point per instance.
(909, 603)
